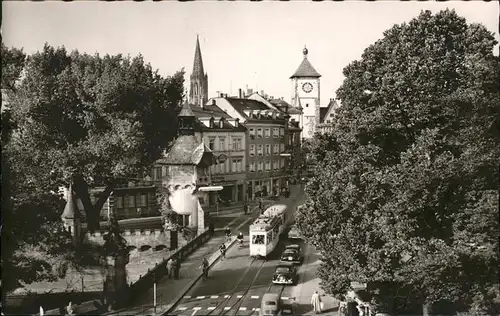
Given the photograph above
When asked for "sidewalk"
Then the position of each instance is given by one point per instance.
(170, 291)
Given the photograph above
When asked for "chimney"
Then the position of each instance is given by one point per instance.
(221, 95)
(240, 93)
(214, 102)
(331, 99)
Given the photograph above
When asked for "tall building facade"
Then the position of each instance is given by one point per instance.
(266, 164)
(198, 91)
(306, 96)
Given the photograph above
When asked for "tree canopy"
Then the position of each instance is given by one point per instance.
(91, 120)
(405, 194)
(72, 118)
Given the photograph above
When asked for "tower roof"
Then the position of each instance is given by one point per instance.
(198, 61)
(70, 210)
(305, 69)
(186, 110)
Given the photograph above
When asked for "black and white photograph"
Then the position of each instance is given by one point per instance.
(250, 158)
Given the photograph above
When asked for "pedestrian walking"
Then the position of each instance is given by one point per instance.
(170, 268)
(316, 302)
(204, 266)
(222, 249)
(245, 208)
(69, 309)
(176, 266)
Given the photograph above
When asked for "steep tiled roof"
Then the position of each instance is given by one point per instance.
(306, 70)
(322, 113)
(208, 110)
(70, 210)
(186, 151)
(247, 104)
(186, 110)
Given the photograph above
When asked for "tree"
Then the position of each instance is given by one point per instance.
(92, 120)
(404, 196)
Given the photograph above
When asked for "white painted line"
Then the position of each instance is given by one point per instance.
(211, 308)
(214, 296)
(182, 308)
(227, 296)
(200, 297)
(187, 296)
(227, 308)
(284, 297)
(243, 308)
(197, 308)
(257, 309)
(254, 296)
(239, 296)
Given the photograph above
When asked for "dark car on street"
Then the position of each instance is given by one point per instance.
(285, 273)
(292, 256)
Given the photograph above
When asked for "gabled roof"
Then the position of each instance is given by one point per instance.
(325, 112)
(209, 110)
(241, 105)
(306, 70)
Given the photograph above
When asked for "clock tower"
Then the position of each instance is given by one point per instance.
(306, 96)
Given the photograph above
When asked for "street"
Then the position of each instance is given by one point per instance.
(237, 283)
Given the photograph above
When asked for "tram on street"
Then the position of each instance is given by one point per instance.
(265, 231)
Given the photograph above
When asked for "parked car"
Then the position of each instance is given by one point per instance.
(292, 256)
(294, 233)
(294, 246)
(287, 309)
(285, 273)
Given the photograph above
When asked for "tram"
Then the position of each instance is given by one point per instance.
(266, 230)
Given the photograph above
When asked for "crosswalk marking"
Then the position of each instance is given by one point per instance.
(197, 308)
(284, 297)
(200, 297)
(211, 308)
(227, 308)
(214, 296)
(182, 308)
(257, 309)
(254, 296)
(239, 296)
(243, 308)
(226, 296)
(187, 296)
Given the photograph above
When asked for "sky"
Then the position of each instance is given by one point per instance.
(244, 44)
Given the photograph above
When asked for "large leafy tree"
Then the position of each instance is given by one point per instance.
(405, 197)
(91, 121)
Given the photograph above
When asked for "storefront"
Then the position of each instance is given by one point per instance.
(232, 190)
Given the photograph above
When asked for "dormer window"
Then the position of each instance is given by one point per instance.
(236, 122)
(221, 123)
(211, 122)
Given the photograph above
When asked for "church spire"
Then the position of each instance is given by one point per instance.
(198, 92)
(198, 61)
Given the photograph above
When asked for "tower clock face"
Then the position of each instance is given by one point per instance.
(307, 87)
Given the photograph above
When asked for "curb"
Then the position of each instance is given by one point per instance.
(188, 287)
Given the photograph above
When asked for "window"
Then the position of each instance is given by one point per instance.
(269, 237)
(268, 165)
(276, 132)
(259, 150)
(267, 132)
(236, 143)
(282, 131)
(258, 239)
(276, 165)
(119, 202)
(222, 143)
(157, 173)
(282, 147)
(282, 163)
(236, 165)
(268, 149)
(211, 143)
(132, 201)
(260, 166)
(144, 200)
(252, 150)
(126, 201)
(252, 167)
(307, 105)
(276, 149)
(259, 132)
(252, 133)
